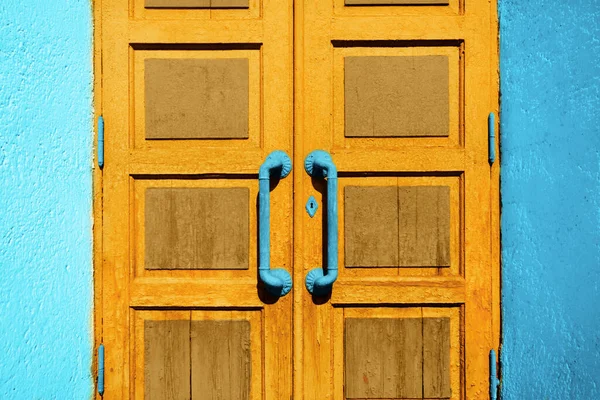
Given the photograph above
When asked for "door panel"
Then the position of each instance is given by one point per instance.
(397, 7)
(196, 228)
(417, 217)
(396, 226)
(208, 93)
(195, 98)
(399, 96)
(198, 354)
(408, 91)
(395, 96)
(399, 352)
(216, 99)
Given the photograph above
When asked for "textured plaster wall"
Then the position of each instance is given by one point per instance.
(550, 83)
(45, 199)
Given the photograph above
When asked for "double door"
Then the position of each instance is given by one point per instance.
(296, 199)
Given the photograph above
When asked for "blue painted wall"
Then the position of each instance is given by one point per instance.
(550, 84)
(45, 199)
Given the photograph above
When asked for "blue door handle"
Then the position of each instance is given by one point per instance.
(278, 282)
(318, 164)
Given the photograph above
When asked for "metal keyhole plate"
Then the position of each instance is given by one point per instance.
(312, 206)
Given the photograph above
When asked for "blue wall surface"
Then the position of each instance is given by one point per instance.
(550, 107)
(46, 126)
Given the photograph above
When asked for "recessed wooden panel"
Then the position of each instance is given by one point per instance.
(196, 4)
(371, 221)
(396, 96)
(196, 98)
(384, 358)
(167, 360)
(436, 358)
(196, 228)
(397, 358)
(394, 2)
(221, 360)
(397, 226)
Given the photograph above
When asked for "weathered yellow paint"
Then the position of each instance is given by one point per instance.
(296, 55)
(325, 33)
(130, 34)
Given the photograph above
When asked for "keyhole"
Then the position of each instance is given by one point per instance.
(311, 206)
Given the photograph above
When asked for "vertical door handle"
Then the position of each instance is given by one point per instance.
(278, 282)
(318, 164)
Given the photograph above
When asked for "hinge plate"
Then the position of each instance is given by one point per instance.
(494, 381)
(100, 143)
(492, 138)
(101, 369)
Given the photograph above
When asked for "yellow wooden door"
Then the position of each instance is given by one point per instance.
(194, 100)
(195, 95)
(398, 93)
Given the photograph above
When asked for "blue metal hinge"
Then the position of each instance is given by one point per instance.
(491, 138)
(494, 381)
(100, 144)
(101, 369)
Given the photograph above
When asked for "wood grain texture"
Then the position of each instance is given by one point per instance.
(371, 226)
(167, 360)
(196, 4)
(436, 358)
(424, 226)
(221, 360)
(384, 358)
(396, 96)
(397, 226)
(397, 358)
(196, 98)
(196, 228)
(394, 2)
